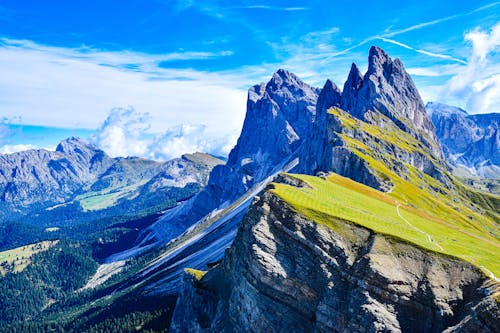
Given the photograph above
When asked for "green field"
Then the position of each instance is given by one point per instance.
(106, 198)
(16, 260)
(339, 197)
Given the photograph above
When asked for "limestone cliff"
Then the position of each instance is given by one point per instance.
(285, 273)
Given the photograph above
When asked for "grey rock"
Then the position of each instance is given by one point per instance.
(284, 273)
(386, 87)
(280, 116)
(36, 179)
(471, 141)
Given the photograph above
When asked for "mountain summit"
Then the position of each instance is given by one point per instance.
(371, 246)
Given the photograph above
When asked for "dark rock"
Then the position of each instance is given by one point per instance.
(284, 273)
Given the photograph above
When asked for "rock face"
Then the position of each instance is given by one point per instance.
(472, 141)
(36, 179)
(384, 97)
(280, 115)
(41, 176)
(284, 273)
(387, 88)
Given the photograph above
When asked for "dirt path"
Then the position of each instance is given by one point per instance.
(417, 229)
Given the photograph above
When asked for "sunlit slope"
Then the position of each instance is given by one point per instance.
(440, 215)
(335, 199)
(16, 260)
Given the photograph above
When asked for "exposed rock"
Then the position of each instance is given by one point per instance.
(471, 141)
(284, 273)
(41, 176)
(280, 115)
(388, 88)
(36, 179)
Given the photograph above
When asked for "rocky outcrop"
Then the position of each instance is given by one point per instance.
(284, 273)
(384, 97)
(470, 141)
(387, 88)
(280, 116)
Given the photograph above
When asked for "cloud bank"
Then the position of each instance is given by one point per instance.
(126, 132)
(478, 84)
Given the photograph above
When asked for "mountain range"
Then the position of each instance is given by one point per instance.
(471, 142)
(336, 211)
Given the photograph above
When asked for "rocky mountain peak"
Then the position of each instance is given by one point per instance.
(388, 89)
(286, 85)
(354, 79)
(73, 144)
(329, 96)
(378, 60)
(440, 108)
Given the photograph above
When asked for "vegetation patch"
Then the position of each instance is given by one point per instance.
(197, 274)
(401, 214)
(16, 260)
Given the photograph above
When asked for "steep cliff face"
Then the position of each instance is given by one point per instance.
(374, 110)
(285, 273)
(472, 141)
(387, 88)
(280, 115)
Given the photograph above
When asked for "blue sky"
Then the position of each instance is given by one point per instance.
(157, 78)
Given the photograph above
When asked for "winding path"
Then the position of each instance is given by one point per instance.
(417, 229)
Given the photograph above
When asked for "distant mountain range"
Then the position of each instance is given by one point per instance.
(79, 171)
(470, 142)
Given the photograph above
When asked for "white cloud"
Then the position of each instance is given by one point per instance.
(9, 149)
(126, 132)
(189, 139)
(478, 84)
(64, 87)
(122, 133)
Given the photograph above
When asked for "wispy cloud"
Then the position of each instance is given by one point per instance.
(431, 54)
(66, 87)
(479, 82)
(9, 149)
(386, 35)
(269, 7)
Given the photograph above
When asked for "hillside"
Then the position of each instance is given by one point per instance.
(386, 239)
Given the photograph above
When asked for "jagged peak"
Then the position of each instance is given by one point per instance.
(329, 96)
(380, 63)
(71, 143)
(283, 78)
(354, 78)
(330, 86)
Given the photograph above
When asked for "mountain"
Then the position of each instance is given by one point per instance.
(43, 178)
(78, 184)
(282, 112)
(48, 177)
(382, 243)
(471, 142)
(335, 211)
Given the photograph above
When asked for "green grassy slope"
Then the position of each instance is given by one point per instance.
(439, 215)
(328, 200)
(16, 260)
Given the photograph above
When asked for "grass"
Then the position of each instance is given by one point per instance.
(197, 274)
(20, 257)
(337, 198)
(106, 198)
